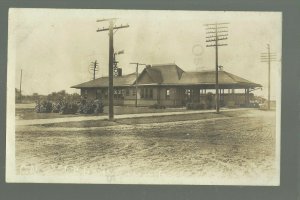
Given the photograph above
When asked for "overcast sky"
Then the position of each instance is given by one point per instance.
(55, 47)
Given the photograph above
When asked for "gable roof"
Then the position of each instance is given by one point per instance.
(154, 74)
(170, 73)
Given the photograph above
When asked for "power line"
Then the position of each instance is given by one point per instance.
(216, 32)
(268, 57)
(110, 30)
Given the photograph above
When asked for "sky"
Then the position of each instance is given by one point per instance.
(54, 47)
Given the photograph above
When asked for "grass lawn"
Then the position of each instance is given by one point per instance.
(144, 120)
(26, 111)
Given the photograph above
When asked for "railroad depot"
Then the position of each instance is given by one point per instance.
(171, 86)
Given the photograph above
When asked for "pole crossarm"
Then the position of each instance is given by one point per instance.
(214, 28)
(216, 24)
(263, 54)
(213, 36)
(266, 53)
(214, 45)
(214, 32)
(263, 59)
(107, 19)
(213, 40)
(115, 27)
(134, 63)
(267, 61)
(268, 56)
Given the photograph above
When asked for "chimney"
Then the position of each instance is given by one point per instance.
(119, 71)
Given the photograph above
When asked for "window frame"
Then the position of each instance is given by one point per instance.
(168, 93)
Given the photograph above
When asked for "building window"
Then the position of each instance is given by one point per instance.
(146, 93)
(167, 93)
(127, 91)
(188, 92)
(118, 94)
(98, 94)
(150, 93)
(142, 93)
(133, 92)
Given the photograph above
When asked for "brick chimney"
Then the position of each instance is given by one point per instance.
(119, 71)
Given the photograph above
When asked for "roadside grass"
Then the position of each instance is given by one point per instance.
(144, 120)
(28, 112)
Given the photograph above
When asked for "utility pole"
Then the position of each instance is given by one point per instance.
(136, 80)
(110, 30)
(21, 87)
(216, 32)
(94, 68)
(268, 57)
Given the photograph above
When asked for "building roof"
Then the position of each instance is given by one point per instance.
(209, 77)
(171, 74)
(125, 80)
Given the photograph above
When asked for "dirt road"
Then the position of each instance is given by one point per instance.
(228, 150)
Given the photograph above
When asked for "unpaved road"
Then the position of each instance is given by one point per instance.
(229, 150)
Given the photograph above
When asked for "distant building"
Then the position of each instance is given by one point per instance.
(169, 85)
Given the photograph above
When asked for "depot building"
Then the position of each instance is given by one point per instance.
(171, 86)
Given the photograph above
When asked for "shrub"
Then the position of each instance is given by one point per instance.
(90, 107)
(68, 108)
(157, 106)
(57, 106)
(99, 107)
(43, 106)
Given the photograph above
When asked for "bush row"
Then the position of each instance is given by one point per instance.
(65, 107)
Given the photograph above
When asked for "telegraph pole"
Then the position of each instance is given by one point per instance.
(268, 57)
(136, 80)
(94, 68)
(110, 30)
(21, 87)
(216, 32)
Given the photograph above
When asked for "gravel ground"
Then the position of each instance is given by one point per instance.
(232, 149)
